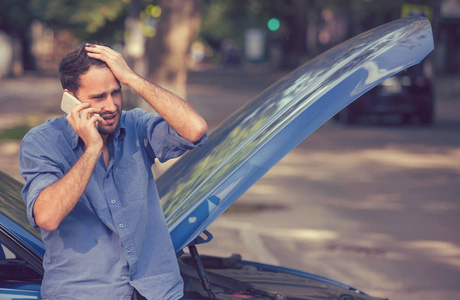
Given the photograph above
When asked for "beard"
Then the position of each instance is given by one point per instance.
(109, 129)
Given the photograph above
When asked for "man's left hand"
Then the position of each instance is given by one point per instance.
(113, 59)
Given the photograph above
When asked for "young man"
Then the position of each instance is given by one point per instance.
(89, 185)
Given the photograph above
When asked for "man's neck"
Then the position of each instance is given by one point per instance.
(105, 149)
(105, 139)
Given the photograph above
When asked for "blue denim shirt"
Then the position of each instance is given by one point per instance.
(116, 237)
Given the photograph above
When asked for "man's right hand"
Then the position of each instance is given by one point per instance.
(84, 121)
(56, 201)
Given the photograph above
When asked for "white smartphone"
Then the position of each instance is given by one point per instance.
(68, 100)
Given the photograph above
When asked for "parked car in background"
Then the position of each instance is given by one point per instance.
(409, 96)
(200, 186)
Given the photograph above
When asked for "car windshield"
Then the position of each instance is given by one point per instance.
(12, 205)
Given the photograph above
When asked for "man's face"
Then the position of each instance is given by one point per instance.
(100, 88)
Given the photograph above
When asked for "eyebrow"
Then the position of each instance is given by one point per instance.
(95, 96)
(117, 90)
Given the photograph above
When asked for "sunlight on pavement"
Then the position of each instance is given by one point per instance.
(374, 201)
(322, 166)
(406, 159)
(264, 189)
(288, 233)
(9, 147)
(444, 252)
(440, 206)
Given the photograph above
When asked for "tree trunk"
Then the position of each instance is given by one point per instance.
(134, 50)
(167, 50)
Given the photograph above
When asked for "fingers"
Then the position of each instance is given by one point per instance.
(98, 119)
(81, 112)
(103, 53)
(113, 59)
(98, 48)
(96, 52)
(75, 112)
(88, 113)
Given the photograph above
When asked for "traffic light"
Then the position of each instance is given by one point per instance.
(273, 24)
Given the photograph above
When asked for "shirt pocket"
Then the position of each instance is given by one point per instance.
(132, 175)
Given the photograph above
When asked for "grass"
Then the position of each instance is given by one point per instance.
(19, 130)
(15, 133)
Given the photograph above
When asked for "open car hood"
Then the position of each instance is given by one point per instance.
(206, 181)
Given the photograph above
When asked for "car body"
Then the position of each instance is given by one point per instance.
(408, 95)
(206, 181)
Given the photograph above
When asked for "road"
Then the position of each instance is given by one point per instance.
(373, 206)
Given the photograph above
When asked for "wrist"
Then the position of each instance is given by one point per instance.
(133, 81)
(94, 149)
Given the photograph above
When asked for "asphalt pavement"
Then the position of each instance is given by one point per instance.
(374, 206)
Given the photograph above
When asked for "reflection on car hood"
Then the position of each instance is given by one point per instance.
(206, 181)
(14, 226)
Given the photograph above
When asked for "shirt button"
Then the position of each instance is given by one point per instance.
(121, 225)
(113, 201)
(129, 251)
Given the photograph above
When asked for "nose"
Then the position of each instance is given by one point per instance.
(109, 104)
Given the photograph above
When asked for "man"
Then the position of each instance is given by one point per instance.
(89, 185)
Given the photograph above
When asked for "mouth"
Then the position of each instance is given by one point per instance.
(110, 119)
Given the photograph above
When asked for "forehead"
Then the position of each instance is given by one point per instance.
(98, 79)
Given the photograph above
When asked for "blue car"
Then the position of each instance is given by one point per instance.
(206, 181)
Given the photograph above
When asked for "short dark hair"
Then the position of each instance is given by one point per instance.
(75, 64)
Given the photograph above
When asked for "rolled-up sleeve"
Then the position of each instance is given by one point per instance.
(162, 140)
(37, 169)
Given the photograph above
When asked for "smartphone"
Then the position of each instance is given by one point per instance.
(68, 100)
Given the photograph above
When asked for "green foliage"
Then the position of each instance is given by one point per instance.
(15, 16)
(228, 19)
(15, 133)
(87, 19)
(223, 19)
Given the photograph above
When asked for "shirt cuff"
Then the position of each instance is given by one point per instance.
(38, 185)
(185, 144)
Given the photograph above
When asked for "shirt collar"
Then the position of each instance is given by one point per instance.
(121, 130)
(119, 134)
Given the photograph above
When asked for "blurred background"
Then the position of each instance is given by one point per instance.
(370, 199)
(171, 36)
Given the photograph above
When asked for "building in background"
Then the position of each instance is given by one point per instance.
(447, 54)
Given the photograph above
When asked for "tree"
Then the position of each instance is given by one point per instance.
(16, 16)
(167, 50)
(101, 20)
(229, 20)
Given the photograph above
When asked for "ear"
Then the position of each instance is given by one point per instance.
(66, 90)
